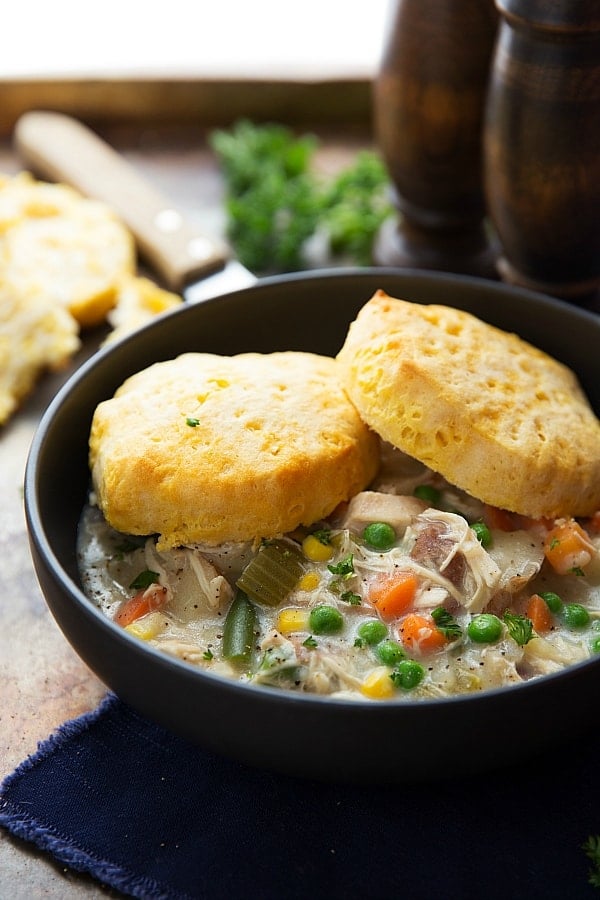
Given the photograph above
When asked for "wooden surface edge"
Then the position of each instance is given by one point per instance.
(207, 102)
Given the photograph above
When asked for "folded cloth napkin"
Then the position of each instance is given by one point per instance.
(153, 816)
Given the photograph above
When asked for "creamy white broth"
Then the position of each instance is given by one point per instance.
(195, 588)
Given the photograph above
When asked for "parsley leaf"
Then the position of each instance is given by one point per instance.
(520, 628)
(192, 422)
(345, 568)
(351, 598)
(446, 623)
(144, 580)
(310, 642)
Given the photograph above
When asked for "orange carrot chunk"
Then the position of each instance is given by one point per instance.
(139, 605)
(568, 547)
(539, 613)
(392, 595)
(419, 634)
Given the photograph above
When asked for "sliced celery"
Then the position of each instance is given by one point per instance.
(273, 573)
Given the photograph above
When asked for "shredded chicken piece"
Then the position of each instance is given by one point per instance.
(191, 653)
(215, 587)
(549, 655)
(519, 555)
(441, 538)
(280, 654)
(372, 506)
(498, 669)
(327, 662)
(154, 565)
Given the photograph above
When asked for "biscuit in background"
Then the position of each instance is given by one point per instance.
(66, 263)
(60, 246)
(34, 337)
(495, 416)
(210, 449)
(138, 301)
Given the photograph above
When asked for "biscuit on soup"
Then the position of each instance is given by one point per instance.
(494, 415)
(209, 449)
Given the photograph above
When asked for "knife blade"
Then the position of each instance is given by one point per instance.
(57, 147)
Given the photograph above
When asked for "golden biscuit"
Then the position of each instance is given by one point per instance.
(34, 336)
(139, 300)
(205, 448)
(58, 245)
(495, 416)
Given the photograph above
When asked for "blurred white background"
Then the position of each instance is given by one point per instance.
(180, 38)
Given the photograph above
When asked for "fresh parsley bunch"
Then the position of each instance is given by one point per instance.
(592, 851)
(275, 202)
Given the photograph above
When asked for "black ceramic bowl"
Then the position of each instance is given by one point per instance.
(298, 734)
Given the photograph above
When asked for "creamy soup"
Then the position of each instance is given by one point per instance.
(412, 590)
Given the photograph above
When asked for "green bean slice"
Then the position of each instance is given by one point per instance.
(238, 633)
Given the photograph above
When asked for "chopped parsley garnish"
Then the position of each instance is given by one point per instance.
(591, 848)
(520, 628)
(310, 642)
(208, 654)
(323, 535)
(192, 422)
(351, 598)
(345, 568)
(577, 570)
(446, 623)
(144, 580)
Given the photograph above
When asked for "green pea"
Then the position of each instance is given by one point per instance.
(408, 674)
(372, 632)
(428, 493)
(575, 616)
(483, 534)
(484, 628)
(595, 644)
(552, 601)
(325, 620)
(379, 535)
(389, 652)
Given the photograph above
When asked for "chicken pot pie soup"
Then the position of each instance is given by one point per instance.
(402, 586)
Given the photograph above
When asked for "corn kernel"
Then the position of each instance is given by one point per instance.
(309, 582)
(316, 551)
(292, 619)
(378, 685)
(147, 627)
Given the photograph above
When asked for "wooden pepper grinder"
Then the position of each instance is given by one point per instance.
(429, 97)
(542, 145)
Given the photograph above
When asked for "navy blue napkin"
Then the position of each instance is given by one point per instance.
(153, 816)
